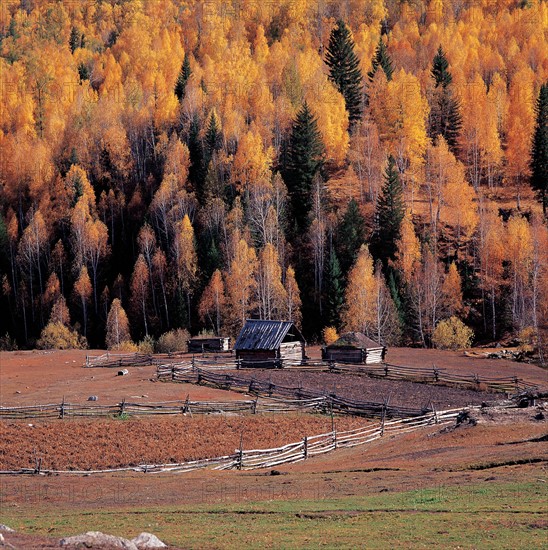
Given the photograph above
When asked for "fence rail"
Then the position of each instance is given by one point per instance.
(386, 371)
(248, 406)
(267, 458)
(265, 389)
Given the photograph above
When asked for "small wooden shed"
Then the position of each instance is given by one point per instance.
(202, 344)
(265, 340)
(354, 347)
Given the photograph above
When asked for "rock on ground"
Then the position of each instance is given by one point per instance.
(6, 529)
(96, 539)
(147, 541)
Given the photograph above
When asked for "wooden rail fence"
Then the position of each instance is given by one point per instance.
(267, 458)
(387, 371)
(265, 389)
(124, 408)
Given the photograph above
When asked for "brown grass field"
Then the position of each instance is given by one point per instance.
(471, 486)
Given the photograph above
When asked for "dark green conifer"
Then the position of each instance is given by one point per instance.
(381, 59)
(344, 70)
(182, 79)
(304, 161)
(389, 214)
(350, 235)
(334, 291)
(539, 153)
(444, 118)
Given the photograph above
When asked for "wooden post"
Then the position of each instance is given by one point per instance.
(436, 374)
(62, 411)
(255, 404)
(122, 407)
(38, 467)
(436, 419)
(385, 369)
(241, 452)
(305, 447)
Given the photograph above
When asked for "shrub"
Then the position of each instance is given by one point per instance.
(126, 346)
(528, 341)
(453, 334)
(330, 335)
(59, 336)
(7, 343)
(174, 340)
(146, 345)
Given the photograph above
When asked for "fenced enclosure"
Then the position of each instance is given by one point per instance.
(386, 371)
(306, 448)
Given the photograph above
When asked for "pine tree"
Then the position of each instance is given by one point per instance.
(344, 70)
(305, 152)
(539, 153)
(440, 71)
(445, 119)
(381, 59)
(350, 235)
(196, 172)
(389, 215)
(75, 39)
(182, 79)
(213, 138)
(334, 291)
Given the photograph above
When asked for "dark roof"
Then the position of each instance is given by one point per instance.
(265, 335)
(355, 340)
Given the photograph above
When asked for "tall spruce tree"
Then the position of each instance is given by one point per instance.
(334, 291)
(213, 138)
(444, 118)
(75, 39)
(440, 69)
(304, 160)
(182, 79)
(381, 59)
(350, 235)
(539, 153)
(344, 70)
(389, 214)
(196, 171)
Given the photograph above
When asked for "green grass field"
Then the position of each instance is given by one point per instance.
(486, 515)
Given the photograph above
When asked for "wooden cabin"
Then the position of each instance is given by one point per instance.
(354, 347)
(269, 341)
(203, 344)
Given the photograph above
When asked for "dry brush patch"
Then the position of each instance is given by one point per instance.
(101, 444)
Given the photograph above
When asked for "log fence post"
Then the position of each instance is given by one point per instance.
(240, 460)
(305, 447)
(62, 411)
(122, 407)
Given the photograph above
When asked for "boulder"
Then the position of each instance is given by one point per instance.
(148, 541)
(92, 398)
(96, 539)
(6, 529)
(123, 372)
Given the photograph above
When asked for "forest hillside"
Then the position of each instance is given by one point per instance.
(174, 165)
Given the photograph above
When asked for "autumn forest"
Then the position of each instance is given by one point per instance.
(173, 167)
